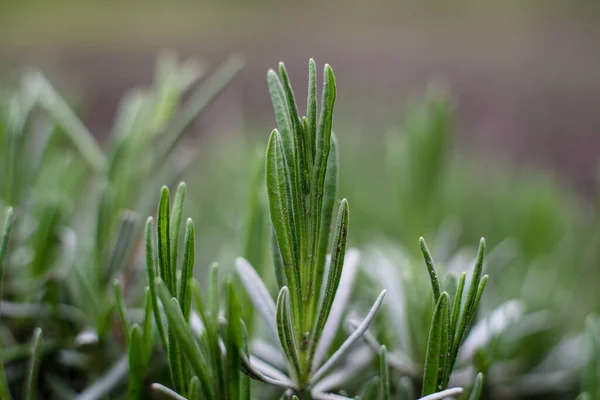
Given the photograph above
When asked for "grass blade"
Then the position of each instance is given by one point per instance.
(31, 382)
(311, 106)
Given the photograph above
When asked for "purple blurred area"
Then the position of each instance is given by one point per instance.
(526, 77)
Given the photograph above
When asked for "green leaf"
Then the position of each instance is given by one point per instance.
(187, 269)
(233, 342)
(383, 372)
(338, 251)
(349, 342)
(456, 305)
(437, 347)
(319, 174)
(121, 311)
(281, 205)
(372, 389)
(311, 105)
(330, 192)
(166, 270)
(435, 284)
(214, 293)
(194, 391)
(176, 361)
(406, 389)
(285, 331)
(147, 339)
(477, 387)
(31, 382)
(4, 391)
(175, 225)
(444, 394)
(184, 335)
(152, 283)
(123, 244)
(470, 306)
(137, 362)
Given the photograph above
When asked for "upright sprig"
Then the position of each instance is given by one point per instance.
(204, 364)
(301, 175)
(450, 321)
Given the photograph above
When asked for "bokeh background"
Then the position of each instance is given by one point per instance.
(509, 150)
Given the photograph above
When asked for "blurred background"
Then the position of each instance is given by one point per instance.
(455, 120)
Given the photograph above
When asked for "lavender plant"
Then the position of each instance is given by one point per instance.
(301, 175)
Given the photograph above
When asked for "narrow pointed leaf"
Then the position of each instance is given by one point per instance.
(121, 311)
(281, 205)
(194, 390)
(383, 373)
(330, 192)
(259, 295)
(164, 247)
(175, 225)
(355, 336)
(444, 394)
(456, 305)
(166, 392)
(338, 251)
(152, 284)
(435, 284)
(477, 387)
(437, 347)
(137, 363)
(311, 104)
(187, 269)
(184, 335)
(285, 330)
(31, 382)
(147, 333)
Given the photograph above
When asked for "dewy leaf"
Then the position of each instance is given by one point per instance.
(356, 335)
(330, 192)
(477, 387)
(437, 347)
(285, 331)
(167, 273)
(259, 295)
(383, 372)
(31, 382)
(4, 391)
(187, 269)
(184, 336)
(152, 284)
(338, 251)
(435, 284)
(283, 216)
(176, 223)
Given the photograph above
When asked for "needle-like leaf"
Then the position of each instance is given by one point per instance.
(435, 284)
(285, 330)
(150, 268)
(383, 373)
(167, 272)
(477, 387)
(176, 216)
(137, 362)
(4, 391)
(437, 347)
(187, 269)
(121, 311)
(31, 382)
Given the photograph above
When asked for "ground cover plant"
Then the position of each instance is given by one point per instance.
(309, 303)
